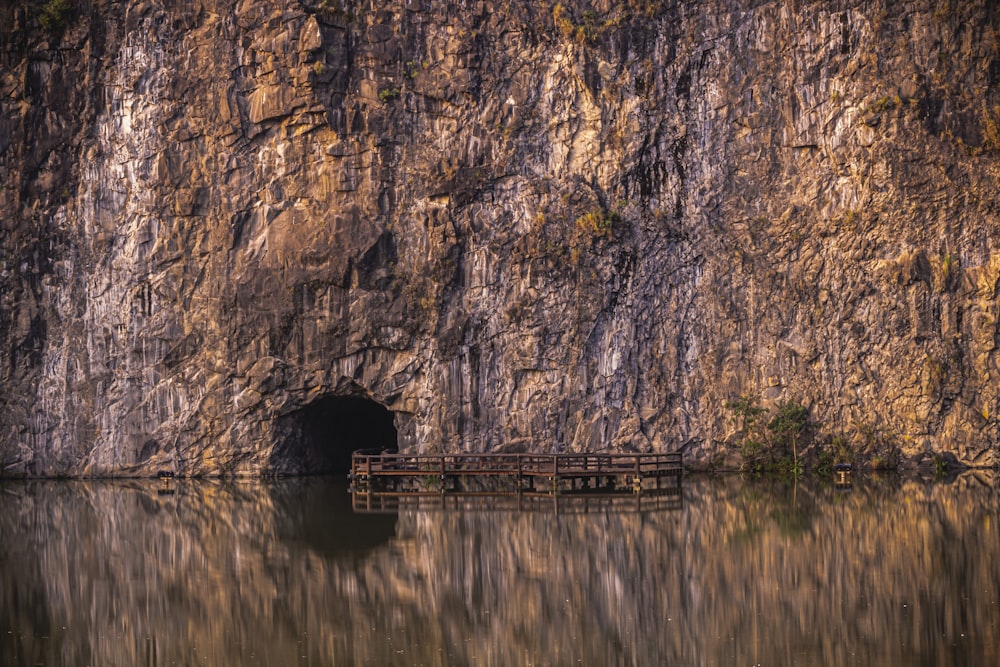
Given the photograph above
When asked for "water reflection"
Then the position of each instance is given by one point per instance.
(891, 572)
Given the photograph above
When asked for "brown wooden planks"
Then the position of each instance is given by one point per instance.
(380, 468)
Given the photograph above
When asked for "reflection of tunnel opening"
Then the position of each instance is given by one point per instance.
(320, 437)
(319, 514)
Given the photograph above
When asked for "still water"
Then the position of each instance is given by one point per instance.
(889, 572)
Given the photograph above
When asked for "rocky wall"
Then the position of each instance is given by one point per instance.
(517, 225)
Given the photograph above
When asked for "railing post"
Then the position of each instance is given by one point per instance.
(555, 473)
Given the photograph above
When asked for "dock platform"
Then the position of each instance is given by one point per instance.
(552, 473)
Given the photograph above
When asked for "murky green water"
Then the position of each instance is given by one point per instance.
(732, 573)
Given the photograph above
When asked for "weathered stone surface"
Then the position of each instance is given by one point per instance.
(516, 225)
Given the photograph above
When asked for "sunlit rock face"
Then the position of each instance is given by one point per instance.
(516, 225)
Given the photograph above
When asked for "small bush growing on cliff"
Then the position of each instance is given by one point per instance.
(331, 10)
(883, 103)
(787, 428)
(878, 448)
(589, 27)
(991, 127)
(598, 223)
(940, 467)
(947, 264)
(387, 94)
(842, 450)
(770, 444)
(580, 32)
(746, 414)
(56, 14)
(850, 220)
(941, 11)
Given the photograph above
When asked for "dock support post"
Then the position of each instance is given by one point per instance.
(555, 473)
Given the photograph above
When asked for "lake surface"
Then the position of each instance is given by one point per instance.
(731, 572)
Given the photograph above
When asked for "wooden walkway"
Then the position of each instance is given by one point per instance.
(552, 473)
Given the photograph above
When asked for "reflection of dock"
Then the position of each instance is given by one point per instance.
(391, 502)
(554, 473)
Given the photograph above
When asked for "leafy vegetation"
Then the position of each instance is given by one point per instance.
(387, 94)
(787, 427)
(770, 444)
(940, 466)
(782, 441)
(56, 14)
(587, 29)
(837, 450)
(878, 448)
(749, 437)
(885, 103)
(942, 11)
(598, 222)
(842, 450)
(991, 127)
(331, 10)
(850, 221)
(947, 264)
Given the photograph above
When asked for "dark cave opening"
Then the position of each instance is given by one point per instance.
(319, 438)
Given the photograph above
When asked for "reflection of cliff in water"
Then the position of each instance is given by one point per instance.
(890, 573)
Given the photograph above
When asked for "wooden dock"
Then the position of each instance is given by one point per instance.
(552, 473)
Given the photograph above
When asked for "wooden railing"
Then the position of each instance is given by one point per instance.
(369, 467)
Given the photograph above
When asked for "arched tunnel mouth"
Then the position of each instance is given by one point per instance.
(320, 437)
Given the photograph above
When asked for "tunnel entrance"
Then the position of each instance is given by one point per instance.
(320, 437)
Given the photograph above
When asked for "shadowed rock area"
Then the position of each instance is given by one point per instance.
(515, 225)
(320, 437)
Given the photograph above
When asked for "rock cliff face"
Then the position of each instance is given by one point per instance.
(516, 225)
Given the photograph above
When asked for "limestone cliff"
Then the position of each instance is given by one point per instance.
(517, 225)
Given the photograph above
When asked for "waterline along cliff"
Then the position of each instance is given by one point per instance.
(233, 231)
